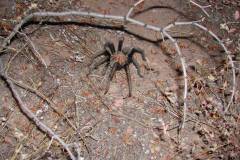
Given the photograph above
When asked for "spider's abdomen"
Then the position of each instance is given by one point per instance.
(120, 58)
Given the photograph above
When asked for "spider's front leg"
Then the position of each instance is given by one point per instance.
(101, 53)
(113, 68)
(109, 47)
(104, 71)
(136, 64)
(129, 52)
(137, 50)
(97, 64)
(120, 43)
(108, 50)
(127, 70)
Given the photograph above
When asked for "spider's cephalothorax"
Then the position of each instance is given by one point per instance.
(117, 60)
(120, 59)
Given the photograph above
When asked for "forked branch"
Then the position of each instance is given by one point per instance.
(203, 8)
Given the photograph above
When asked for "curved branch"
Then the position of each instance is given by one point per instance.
(195, 23)
(185, 92)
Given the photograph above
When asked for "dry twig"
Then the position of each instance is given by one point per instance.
(34, 49)
(203, 8)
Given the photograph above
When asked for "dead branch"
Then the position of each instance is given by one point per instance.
(133, 7)
(203, 8)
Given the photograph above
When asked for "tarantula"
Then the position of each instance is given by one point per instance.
(117, 60)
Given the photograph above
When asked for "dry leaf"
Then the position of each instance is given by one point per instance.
(183, 45)
(211, 78)
(9, 140)
(232, 30)
(237, 15)
(86, 94)
(115, 119)
(33, 6)
(127, 136)
(158, 110)
(18, 134)
(200, 62)
(224, 26)
(154, 147)
(118, 103)
(225, 84)
(112, 130)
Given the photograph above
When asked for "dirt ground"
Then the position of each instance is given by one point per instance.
(114, 126)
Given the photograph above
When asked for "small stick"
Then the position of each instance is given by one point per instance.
(201, 7)
(132, 8)
(34, 49)
(13, 57)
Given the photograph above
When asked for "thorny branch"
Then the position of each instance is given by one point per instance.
(126, 19)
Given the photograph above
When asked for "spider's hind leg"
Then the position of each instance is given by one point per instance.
(127, 70)
(113, 68)
(136, 64)
(105, 68)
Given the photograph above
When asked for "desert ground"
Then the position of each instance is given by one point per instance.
(48, 60)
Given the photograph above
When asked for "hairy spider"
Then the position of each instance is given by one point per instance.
(117, 60)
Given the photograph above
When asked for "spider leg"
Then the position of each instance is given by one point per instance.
(110, 76)
(126, 50)
(120, 44)
(138, 50)
(97, 64)
(136, 64)
(127, 70)
(109, 46)
(102, 52)
(104, 71)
